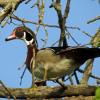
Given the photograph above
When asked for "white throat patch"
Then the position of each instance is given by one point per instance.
(27, 42)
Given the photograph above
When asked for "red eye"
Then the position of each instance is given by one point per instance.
(19, 29)
(19, 32)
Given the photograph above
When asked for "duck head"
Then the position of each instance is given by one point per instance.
(29, 37)
(25, 34)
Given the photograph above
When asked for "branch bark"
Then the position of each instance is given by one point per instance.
(62, 20)
(8, 7)
(93, 20)
(48, 92)
(80, 98)
(87, 71)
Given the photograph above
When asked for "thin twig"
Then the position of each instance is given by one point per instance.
(22, 75)
(48, 25)
(98, 82)
(27, 1)
(54, 43)
(82, 71)
(46, 36)
(35, 4)
(93, 20)
(71, 80)
(60, 82)
(77, 80)
(72, 38)
(91, 75)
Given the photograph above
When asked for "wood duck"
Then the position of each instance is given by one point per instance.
(52, 63)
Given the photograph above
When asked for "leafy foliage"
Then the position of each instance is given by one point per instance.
(97, 94)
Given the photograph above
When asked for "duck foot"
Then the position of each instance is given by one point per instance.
(40, 83)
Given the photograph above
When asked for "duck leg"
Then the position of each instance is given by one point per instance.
(45, 72)
(61, 83)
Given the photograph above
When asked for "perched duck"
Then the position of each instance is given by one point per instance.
(52, 63)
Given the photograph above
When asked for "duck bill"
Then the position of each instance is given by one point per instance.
(11, 37)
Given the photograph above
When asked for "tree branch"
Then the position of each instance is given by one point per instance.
(79, 98)
(91, 75)
(87, 71)
(42, 24)
(48, 25)
(93, 20)
(95, 41)
(66, 11)
(48, 92)
(8, 7)
(57, 6)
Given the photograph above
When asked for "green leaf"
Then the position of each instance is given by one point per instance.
(97, 97)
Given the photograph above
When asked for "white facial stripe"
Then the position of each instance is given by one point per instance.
(24, 35)
(27, 42)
